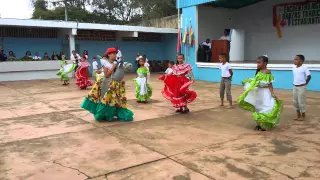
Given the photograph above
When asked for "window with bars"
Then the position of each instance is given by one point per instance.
(93, 35)
(28, 32)
(147, 37)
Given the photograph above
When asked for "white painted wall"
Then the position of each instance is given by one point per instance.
(237, 45)
(213, 21)
(28, 70)
(261, 35)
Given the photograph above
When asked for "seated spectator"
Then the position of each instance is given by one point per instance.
(45, 56)
(11, 56)
(37, 57)
(3, 57)
(27, 57)
(60, 56)
(54, 56)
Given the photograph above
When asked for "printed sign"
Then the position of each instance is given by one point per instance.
(296, 14)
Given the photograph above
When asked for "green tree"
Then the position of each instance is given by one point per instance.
(104, 11)
(154, 9)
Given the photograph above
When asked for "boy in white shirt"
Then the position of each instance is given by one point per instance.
(169, 69)
(301, 78)
(226, 76)
(95, 67)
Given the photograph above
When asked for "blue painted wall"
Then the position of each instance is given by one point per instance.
(20, 45)
(190, 14)
(164, 50)
(283, 79)
(187, 3)
(170, 46)
(154, 50)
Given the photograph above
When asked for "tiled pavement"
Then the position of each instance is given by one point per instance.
(46, 136)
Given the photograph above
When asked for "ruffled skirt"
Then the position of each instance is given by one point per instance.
(143, 89)
(266, 109)
(64, 72)
(82, 78)
(107, 101)
(176, 90)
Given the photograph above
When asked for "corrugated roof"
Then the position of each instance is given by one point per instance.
(75, 25)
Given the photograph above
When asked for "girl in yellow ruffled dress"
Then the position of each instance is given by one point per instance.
(107, 98)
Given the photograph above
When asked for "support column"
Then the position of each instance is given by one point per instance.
(237, 45)
(72, 42)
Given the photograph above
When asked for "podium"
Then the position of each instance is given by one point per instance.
(218, 47)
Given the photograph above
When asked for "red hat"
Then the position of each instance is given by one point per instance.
(111, 50)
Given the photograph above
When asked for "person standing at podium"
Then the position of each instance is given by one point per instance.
(226, 35)
(207, 47)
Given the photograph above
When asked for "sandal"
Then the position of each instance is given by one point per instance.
(259, 128)
(185, 111)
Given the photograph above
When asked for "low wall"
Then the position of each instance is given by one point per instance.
(28, 70)
(281, 72)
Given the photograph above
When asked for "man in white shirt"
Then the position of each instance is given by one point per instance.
(301, 78)
(36, 57)
(226, 35)
(206, 43)
(75, 56)
(207, 47)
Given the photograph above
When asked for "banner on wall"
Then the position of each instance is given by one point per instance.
(296, 14)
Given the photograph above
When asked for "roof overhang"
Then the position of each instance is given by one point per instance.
(87, 26)
(232, 4)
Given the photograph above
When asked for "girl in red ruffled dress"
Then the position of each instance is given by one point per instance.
(176, 85)
(82, 74)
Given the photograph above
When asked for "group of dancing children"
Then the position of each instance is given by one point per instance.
(107, 99)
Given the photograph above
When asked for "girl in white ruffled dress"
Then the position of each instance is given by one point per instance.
(143, 88)
(260, 98)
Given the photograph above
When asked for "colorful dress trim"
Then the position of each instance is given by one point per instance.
(82, 75)
(176, 86)
(257, 98)
(107, 100)
(143, 88)
(65, 70)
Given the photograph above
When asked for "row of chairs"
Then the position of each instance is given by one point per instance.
(158, 65)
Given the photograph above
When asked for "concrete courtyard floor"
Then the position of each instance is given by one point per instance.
(46, 136)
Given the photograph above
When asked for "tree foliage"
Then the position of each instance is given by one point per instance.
(104, 11)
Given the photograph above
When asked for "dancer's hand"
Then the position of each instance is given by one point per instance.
(274, 96)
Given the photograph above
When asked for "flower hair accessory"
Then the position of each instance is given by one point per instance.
(265, 55)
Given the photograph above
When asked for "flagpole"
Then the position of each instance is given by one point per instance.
(189, 41)
(179, 23)
(186, 43)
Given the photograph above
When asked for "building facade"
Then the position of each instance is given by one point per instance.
(43, 36)
(255, 32)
